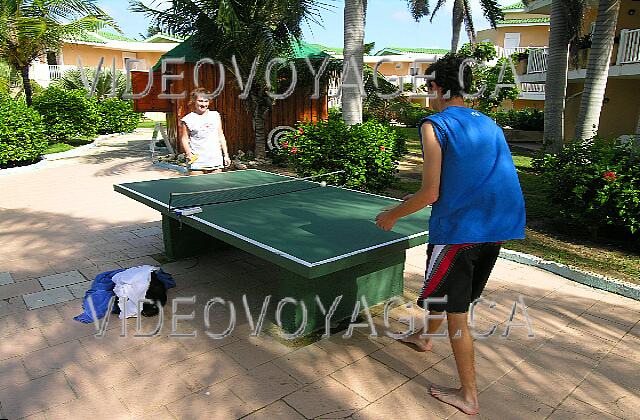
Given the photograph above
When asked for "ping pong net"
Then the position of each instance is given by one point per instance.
(181, 200)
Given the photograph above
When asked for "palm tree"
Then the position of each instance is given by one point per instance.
(73, 79)
(565, 26)
(30, 28)
(461, 14)
(355, 12)
(251, 31)
(597, 69)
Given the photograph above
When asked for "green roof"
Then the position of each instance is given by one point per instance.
(302, 50)
(164, 35)
(86, 37)
(402, 50)
(518, 5)
(186, 49)
(328, 49)
(115, 37)
(521, 21)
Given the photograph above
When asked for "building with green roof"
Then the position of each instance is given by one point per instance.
(90, 47)
(407, 50)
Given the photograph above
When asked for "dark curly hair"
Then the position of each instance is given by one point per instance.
(446, 72)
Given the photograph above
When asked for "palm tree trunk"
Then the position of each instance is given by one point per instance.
(258, 123)
(556, 83)
(456, 24)
(26, 83)
(354, 20)
(598, 69)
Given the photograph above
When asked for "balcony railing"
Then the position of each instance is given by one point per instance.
(532, 87)
(507, 52)
(537, 62)
(56, 71)
(629, 49)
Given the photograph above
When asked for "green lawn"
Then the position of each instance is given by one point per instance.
(547, 236)
(146, 124)
(63, 147)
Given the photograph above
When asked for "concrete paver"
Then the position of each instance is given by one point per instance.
(62, 279)
(5, 278)
(47, 297)
(379, 381)
(19, 289)
(582, 362)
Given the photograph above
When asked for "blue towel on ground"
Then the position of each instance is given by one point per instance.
(101, 292)
(165, 278)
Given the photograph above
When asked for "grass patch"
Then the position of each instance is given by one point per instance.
(147, 124)
(551, 238)
(413, 139)
(547, 235)
(63, 147)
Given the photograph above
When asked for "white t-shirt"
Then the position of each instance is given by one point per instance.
(204, 139)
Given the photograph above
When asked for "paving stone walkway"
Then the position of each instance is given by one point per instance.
(62, 225)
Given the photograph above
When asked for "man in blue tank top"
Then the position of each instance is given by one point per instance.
(471, 182)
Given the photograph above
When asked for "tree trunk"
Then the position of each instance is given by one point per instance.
(456, 24)
(595, 82)
(258, 123)
(556, 83)
(354, 22)
(26, 83)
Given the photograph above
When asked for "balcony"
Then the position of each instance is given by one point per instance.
(56, 71)
(508, 52)
(537, 61)
(44, 73)
(399, 80)
(532, 91)
(629, 49)
(627, 62)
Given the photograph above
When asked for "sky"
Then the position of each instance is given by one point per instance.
(389, 23)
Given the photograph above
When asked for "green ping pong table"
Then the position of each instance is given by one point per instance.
(324, 237)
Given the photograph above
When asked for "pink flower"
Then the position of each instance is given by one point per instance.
(382, 148)
(301, 131)
(285, 144)
(609, 176)
(294, 150)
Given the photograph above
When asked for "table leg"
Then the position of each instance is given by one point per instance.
(376, 281)
(182, 240)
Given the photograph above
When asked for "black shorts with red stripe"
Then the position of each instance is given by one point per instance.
(458, 272)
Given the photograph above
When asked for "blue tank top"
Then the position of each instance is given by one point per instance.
(480, 196)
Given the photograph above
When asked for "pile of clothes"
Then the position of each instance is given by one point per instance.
(128, 286)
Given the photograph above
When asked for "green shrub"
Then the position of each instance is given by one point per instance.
(67, 113)
(335, 114)
(410, 114)
(595, 184)
(117, 116)
(527, 119)
(22, 133)
(72, 79)
(368, 153)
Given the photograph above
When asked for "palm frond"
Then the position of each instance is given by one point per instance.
(492, 11)
(418, 8)
(468, 21)
(435, 10)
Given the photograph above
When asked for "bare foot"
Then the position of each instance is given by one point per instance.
(423, 344)
(454, 397)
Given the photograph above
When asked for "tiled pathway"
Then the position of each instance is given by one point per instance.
(62, 225)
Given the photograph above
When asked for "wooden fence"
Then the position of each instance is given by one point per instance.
(236, 119)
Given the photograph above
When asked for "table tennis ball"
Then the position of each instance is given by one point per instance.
(323, 184)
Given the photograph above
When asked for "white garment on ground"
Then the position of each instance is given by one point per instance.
(204, 139)
(133, 284)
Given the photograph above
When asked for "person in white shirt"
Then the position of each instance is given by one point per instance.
(202, 138)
